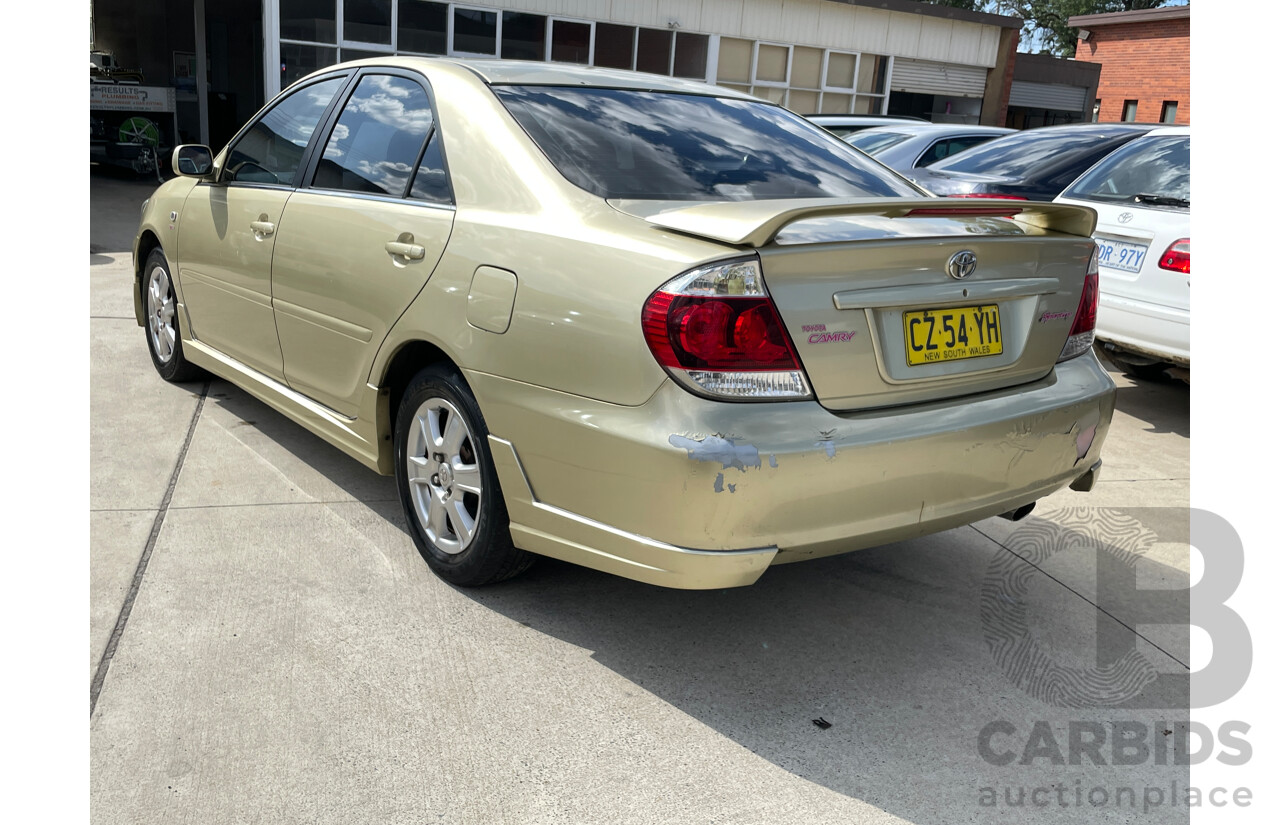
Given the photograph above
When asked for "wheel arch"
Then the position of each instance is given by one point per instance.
(409, 358)
(148, 242)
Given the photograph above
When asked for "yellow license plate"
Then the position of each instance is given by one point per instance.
(952, 334)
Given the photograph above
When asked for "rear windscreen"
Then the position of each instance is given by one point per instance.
(873, 141)
(1159, 167)
(619, 143)
(1023, 154)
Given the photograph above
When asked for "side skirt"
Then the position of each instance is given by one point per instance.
(357, 437)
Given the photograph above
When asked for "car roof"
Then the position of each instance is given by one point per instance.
(1170, 130)
(854, 120)
(938, 128)
(531, 73)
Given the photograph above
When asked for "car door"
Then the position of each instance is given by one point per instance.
(228, 228)
(359, 241)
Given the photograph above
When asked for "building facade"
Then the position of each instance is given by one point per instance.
(830, 56)
(1145, 57)
(1049, 90)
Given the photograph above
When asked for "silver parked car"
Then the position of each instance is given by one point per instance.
(904, 146)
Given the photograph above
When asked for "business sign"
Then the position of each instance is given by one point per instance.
(118, 98)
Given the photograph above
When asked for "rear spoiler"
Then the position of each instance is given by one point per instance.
(757, 223)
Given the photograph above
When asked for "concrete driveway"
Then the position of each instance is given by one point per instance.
(266, 645)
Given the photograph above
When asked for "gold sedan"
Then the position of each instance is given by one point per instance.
(645, 325)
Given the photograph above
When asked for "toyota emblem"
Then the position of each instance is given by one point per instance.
(1125, 217)
(962, 264)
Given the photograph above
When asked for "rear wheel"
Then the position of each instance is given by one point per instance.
(448, 484)
(164, 339)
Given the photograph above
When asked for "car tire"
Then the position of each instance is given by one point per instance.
(164, 338)
(448, 485)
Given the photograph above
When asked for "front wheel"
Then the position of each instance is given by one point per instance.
(163, 337)
(448, 485)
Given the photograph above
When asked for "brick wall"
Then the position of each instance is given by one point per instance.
(1148, 62)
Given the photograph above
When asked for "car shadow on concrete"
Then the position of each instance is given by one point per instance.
(1161, 401)
(1164, 404)
(886, 645)
(870, 674)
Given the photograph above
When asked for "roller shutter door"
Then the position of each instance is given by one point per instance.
(1047, 96)
(925, 77)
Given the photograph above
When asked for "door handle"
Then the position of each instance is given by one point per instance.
(412, 251)
(262, 227)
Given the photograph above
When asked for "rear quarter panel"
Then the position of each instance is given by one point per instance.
(583, 269)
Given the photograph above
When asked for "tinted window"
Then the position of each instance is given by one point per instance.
(872, 141)
(1156, 166)
(271, 150)
(375, 143)
(949, 147)
(629, 144)
(1026, 153)
(432, 182)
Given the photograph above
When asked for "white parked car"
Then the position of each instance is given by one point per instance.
(1142, 193)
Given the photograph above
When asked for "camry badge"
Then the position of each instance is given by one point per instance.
(1125, 217)
(962, 264)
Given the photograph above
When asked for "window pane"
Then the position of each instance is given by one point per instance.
(1169, 112)
(806, 67)
(691, 55)
(308, 20)
(840, 70)
(423, 27)
(775, 94)
(570, 42)
(614, 45)
(374, 145)
(475, 31)
(271, 150)
(296, 62)
(653, 53)
(619, 143)
(524, 36)
(802, 102)
(867, 105)
(432, 181)
(360, 54)
(1130, 110)
(367, 21)
(836, 104)
(735, 61)
(871, 74)
(771, 63)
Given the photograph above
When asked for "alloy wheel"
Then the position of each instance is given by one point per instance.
(160, 314)
(444, 475)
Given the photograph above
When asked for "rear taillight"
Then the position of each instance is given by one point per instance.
(1177, 258)
(989, 195)
(716, 331)
(1080, 340)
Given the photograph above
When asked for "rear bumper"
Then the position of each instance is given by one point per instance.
(686, 492)
(1145, 328)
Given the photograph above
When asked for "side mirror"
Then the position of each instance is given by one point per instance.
(193, 161)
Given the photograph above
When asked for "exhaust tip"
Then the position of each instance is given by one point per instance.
(1020, 513)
